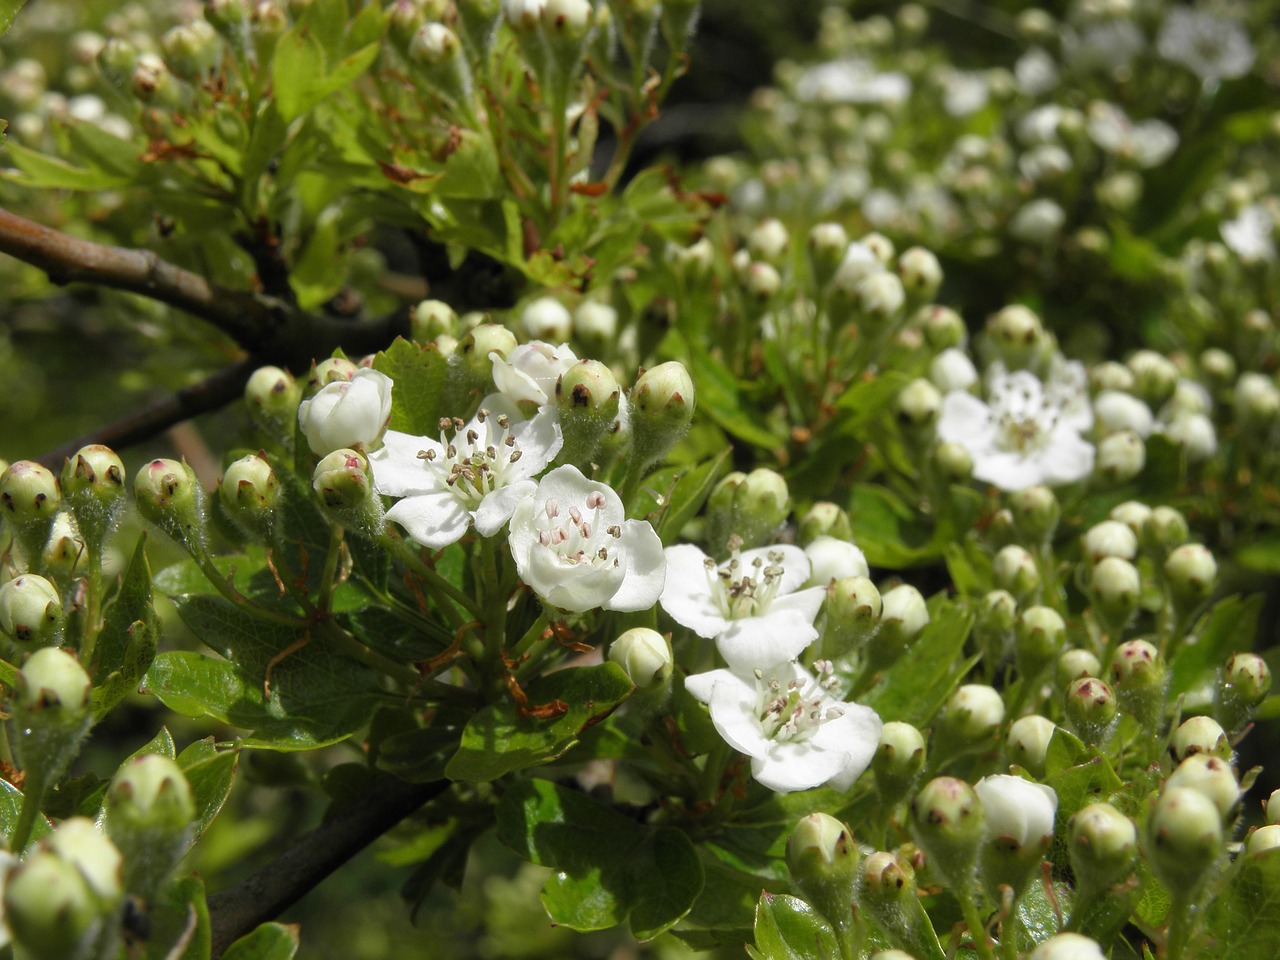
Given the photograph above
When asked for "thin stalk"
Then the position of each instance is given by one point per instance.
(977, 930)
(334, 553)
(431, 575)
(32, 796)
(225, 587)
(356, 650)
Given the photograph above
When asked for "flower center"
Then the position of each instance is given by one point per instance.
(1023, 418)
(476, 457)
(744, 590)
(795, 711)
(574, 534)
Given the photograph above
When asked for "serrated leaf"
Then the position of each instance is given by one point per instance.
(420, 756)
(300, 72)
(609, 868)
(889, 530)
(1243, 922)
(1228, 627)
(127, 644)
(672, 496)
(718, 398)
(1093, 781)
(913, 688)
(317, 696)
(499, 739)
(40, 170)
(787, 928)
(160, 745)
(417, 397)
(210, 772)
(271, 941)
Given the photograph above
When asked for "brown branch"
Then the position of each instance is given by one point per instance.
(213, 392)
(283, 882)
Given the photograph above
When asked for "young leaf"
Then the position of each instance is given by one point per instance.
(271, 941)
(787, 928)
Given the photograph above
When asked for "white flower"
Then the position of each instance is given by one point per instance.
(796, 733)
(347, 413)
(574, 545)
(964, 93)
(1147, 143)
(1018, 809)
(1037, 221)
(1040, 125)
(1210, 46)
(475, 473)
(1108, 46)
(1251, 235)
(831, 558)
(1026, 433)
(1068, 946)
(1045, 161)
(1036, 72)
(1117, 410)
(530, 373)
(952, 370)
(852, 80)
(751, 604)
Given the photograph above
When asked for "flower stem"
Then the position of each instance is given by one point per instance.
(977, 930)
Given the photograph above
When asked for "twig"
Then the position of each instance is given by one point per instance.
(283, 882)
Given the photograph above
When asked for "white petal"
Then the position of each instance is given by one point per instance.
(397, 469)
(857, 733)
(963, 420)
(434, 520)
(496, 508)
(1066, 458)
(795, 565)
(1008, 471)
(796, 766)
(571, 586)
(569, 486)
(646, 568)
(733, 705)
(686, 597)
(700, 684)
(761, 642)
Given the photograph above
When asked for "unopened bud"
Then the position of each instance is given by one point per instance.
(1165, 528)
(1110, 538)
(1263, 839)
(272, 397)
(250, 491)
(954, 461)
(29, 494)
(970, 718)
(79, 842)
(920, 271)
(50, 909)
(1132, 514)
(191, 49)
(1213, 777)
(1019, 816)
(1027, 742)
(853, 610)
(947, 822)
(1197, 735)
(662, 403)
(762, 281)
(168, 495)
(431, 319)
(347, 413)
(1039, 637)
(1120, 457)
(342, 480)
(148, 813)
(1077, 664)
(1035, 512)
(1016, 333)
(903, 617)
(94, 476)
(831, 559)
(944, 329)
(434, 45)
(918, 405)
(1191, 573)
(1154, 377)
(1091, 709)
(1014, 569)
(595, 324)
(30, 610)
(52, 679)
(827, 245)
(769, 241)
(761, 504)
(1246, 680)
(824, 519)
(881, 295)
(1256, 402)
(227, 16)
(1218, 367)
(822, 859)
(588, 397)
(547, 319)
(1184, 838)
(645, 655)
(1116, 589)
(898, 761)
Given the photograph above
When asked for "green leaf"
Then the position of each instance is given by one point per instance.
(914, 687)
(672, 497)
(127, 644)
(418, 394)
(1228, 627)
(718, 398)
(8, 674)
(317, 696)
(11, 807)
(420, 756)
(210, 772)
(271, 941)
(179, 921)
(1093, 781)
(300, 73)
(317, 273)
(1243, 922)
(787, 928)
(160, 745)
(51, 173)
(1263, 555)
(499, 739)
(888, 530)
(8, 10)
(609, 868)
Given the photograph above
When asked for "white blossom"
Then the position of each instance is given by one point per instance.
(1018, 809)
(574, 546)
(1036, 72)
(529, 375)
(797, 734)
(752, 604)
(1037, 221)
(852, 80)
(1108, 46)
(1027, 432)
(1211, 46)
(347, 413)
(1251, 235)
(475, 473)
(1195, 433)
(964, 92)
(1040, 125)
(1148, 143)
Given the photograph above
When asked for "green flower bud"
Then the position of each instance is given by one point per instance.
(880, 245)
(1154, 377)
(53, 680)
(1077, 664)
(1132, 514)
(331, 370)
(79, 842)
(95, 475)
(1110, 538)
(769, 241)
(1197, 735)
(1014, 570)
(50, 909)
(1164, 530)
(149, 812)
(947, 821)
(1016, 334)
(881, 295)
(249, 492)
(1027, 742)
(1213, 777)
(29, 495)
(470, 372)
(1067, 946)
(822, 859)
(30, 610)
(1249, 677)
(1120, 457)
(903, 617)
(1272, 808)
(116, 60)
(920, 271)
(954, 461)
(272, 396)
(1091, 709)
(997, 615)
(761, 504)
(827, 245)
(662, 403)
(430, 319)
(1102, 843)
(1263, 839)
(168, 495)
(151, 79)
(404, 17)
(434, 45)
(918, 405)
(970, 719)
(1035, 513)
(645, 655)
(343, 480)
(898, 761)
(1191, 573)
(762, 281)
(588, 396)
(1111, 375)
(853, 610)
(824, 519)
(1039, 637)
(227, 16)
(1184, 838)
(595, 324)
(1140, 680)
(1116, 590)
(887, 892)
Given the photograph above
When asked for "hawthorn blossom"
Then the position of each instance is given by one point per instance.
(1212, 47)
(529, 375)
(347, 413)
(752, 604)
(574, 546)
(1148, 143)
(796, 732)
(475, 473)
(852, 80)
(1017, 811)
(1027, 432)
(1251, 235)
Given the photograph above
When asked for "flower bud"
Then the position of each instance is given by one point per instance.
(944, 329)
(191, 49)
(662, 403)
(918, 405)
(148, 813)
(1246, 680)
(881, 295)
(1140, 681)
(822, 859)
(853, 610)
(1263, 839)
(769, 241)
(30, 610)
(693, 263)
(79, 842)
(1120, 457)
(903, 617)
(1132, 514)
(1197, 735)
(431, 319)
(1110, 538)
(1016, 333)
(880, 246)
(227, 16)
(761, 504)
(997, 616)
(952, 370)
(1184, 838)
(50, 909)
(824, 519)
(29, 494)
(327, 371)
(1039, 637)
(95, 475)
(470, 373)
(827, 245)
(52, 679)
(1109, 375)
(887, 892)
(1191, 573)
(1256, 402)
(168, 495)
(272, 397)
(1164, 529)
(831, 559)
(970, 718)
(1035, 512)
(645, 655)
(1218, 367)
(249, 492)
(1116, 590)
(898, 761)
(1154, 377)
(1014, 570)
(1067, 946)
(595, 324)
(947, 821)
(1213, 777)
(588, 397)
(1102, 843)
(342, 480)
(762, 281)
(954, 461)
(350, 413)
(1076, 664)
(1038, 221)
(1027, 742)
(1091, 709)
(920, 271)
(1272, 808)
(547, 319)
(434, 45)
(1019, 816)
